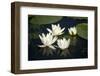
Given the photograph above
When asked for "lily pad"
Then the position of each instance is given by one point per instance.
(44, 19)
(82, 30)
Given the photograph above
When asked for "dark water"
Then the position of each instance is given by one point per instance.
(77, 48)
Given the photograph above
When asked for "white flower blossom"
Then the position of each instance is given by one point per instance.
(72, 31)
(56, 30)
(47, 40)
(63, 43)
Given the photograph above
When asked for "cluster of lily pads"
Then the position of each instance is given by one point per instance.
(52, 36)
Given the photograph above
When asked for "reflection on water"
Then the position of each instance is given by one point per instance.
(77, 49)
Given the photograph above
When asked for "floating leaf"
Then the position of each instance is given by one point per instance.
(45, 19)
(82, 30)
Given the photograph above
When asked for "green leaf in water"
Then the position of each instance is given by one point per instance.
(45, 19)
(82, 30)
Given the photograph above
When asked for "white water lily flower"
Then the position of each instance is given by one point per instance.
(72, 31)
(63, 43)
(47, 40)
(56, 30)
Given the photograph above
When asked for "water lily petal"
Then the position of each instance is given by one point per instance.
(56, 30)
(63, 43)
(49, 30)
(43, 35)
(40, 37)
(54, 39)
(72, 31)
(41, 45)
(62, 29)
(58, 25)
(52, 47)
(47, 39)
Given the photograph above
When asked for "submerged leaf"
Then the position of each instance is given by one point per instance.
(82, 30)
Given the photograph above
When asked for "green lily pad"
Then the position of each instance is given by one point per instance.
(45, 19)
(82, 30)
